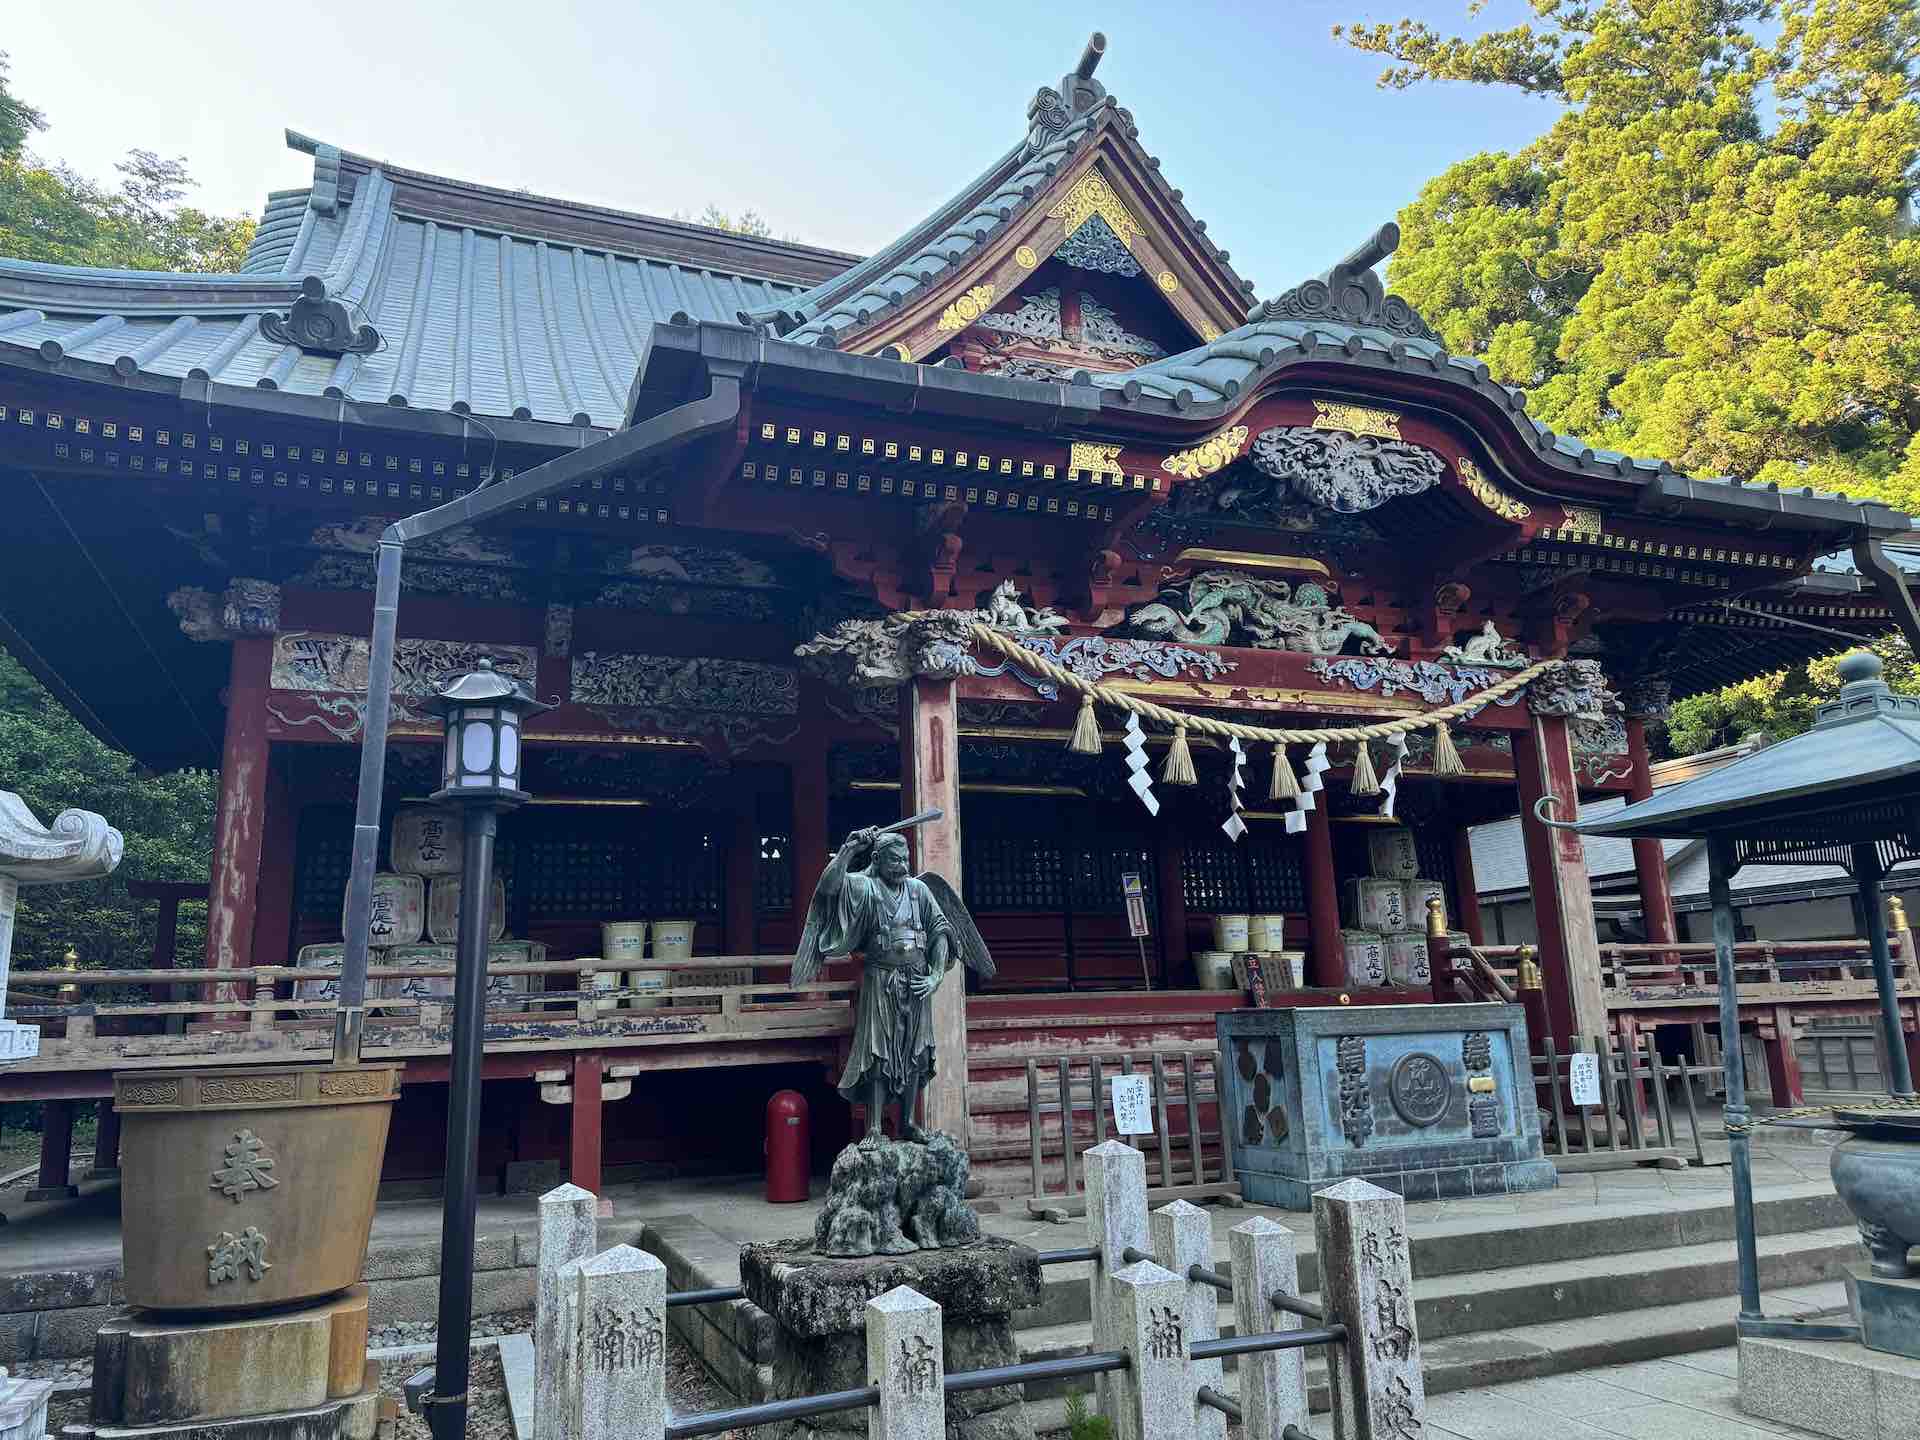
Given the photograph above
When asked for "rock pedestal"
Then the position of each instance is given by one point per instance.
(293, 1374)
(892, 1197)
(819, 1309)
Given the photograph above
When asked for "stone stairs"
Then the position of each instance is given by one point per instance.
(1542, 1296)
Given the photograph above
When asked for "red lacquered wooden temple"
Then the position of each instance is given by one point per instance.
(1053, 402)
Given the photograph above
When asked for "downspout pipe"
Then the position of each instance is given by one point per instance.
(1870, 559)
(637, 444)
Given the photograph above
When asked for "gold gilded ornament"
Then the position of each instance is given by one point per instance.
(1025, 257)
(967, 309)
(1209, 455)
(1095, 459)
(1209, 332)
(1090, 196)
(1496, 499)
(1581, 523)
(1356, 419)
(1167, 281)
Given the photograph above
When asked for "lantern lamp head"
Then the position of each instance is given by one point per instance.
(483, 710)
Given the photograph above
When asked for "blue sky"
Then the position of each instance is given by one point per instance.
(841, 123)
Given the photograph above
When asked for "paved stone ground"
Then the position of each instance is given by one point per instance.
(1689, 1397)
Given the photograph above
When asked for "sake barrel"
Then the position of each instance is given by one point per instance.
(1366, 956)
(1375, 904)
(1407, 959)
(1391, 853)
(1230, 932)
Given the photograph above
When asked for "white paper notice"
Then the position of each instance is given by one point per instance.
(1583, 1078)
(1132, 1105)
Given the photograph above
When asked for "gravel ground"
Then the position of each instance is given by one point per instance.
(424, 1332)
(487, 1415)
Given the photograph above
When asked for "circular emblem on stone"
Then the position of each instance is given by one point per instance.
(1168, 282)
(1419, 1088)
(1025, 257)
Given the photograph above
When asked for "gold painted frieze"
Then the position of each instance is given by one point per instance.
(1356, 419)
(1493, 497)
(1209, 455)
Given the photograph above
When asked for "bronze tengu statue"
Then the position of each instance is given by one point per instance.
(910, 931)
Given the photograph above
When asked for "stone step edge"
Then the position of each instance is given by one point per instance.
(1466, 1362)
(1709, 1273)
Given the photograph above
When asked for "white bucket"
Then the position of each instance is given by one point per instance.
(652, 985)
(601, 980)
(623, 940)
(1266, 932)
(673, 940)
(1230, 932)
(1214, 968)
(1296, 965)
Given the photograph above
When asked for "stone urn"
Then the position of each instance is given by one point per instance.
(1877, 1174)
(249, 1187)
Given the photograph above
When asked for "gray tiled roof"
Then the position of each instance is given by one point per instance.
(471, 319)
(1500, 861)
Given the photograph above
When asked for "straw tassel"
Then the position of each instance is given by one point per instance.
(1179, 767)
(1285, 784)
(1365, 782)
(1086, 730)
(1446, 759)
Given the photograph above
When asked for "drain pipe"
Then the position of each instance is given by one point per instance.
(651, 438)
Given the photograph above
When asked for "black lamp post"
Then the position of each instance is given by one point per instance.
(481, 772)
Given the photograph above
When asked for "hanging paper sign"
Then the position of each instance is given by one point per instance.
(1583, 1078)
(1132, 1105)
(1136, 897)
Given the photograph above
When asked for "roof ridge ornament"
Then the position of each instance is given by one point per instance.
(319, 325)
(1051, 111)
(1351, 294)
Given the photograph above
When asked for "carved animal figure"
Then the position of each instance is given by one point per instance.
(1489, 647)
(1005, 611)
(1268, 614)
(1163, 622)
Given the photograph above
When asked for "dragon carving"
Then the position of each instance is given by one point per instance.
(1219, 606)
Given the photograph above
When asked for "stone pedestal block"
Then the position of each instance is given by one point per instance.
(153, 1372)
(819, 1309)
(353, 1417)
(1831, 1387)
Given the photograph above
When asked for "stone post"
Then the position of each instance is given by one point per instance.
(1116, 1181)
(1153, 1397)
(1183, 1238)
(617, 1347)
(1273, 1383)
(1366, 1284)
(568, 1233)
(904, 1359)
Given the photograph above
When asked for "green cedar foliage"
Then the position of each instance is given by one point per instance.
(1708, 256)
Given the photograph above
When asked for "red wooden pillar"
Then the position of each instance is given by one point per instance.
(810, 846)
(56, 1152)
(1649, 855)
(1466, 890)
(743, 879)
(273, 908)
(583, 1164)
(1171, 864)
(1557, 875)
(106, 1143)
(1783, 1060)
(930, 777)
(1326, 965)
(240, 822)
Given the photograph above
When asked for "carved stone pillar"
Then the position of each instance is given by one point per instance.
(1556, 859)
(1647, 699)
(246, 617)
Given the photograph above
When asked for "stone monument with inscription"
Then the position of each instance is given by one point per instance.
(1432, 1102)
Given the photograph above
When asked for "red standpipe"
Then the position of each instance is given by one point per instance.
(789, 1148)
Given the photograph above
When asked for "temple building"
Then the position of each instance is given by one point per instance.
(1053, 406)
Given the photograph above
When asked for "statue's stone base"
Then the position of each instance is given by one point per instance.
(294, 1374)
(819, 1305)
(1831, 1387)
(892, 1197)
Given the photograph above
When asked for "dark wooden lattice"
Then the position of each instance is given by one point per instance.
(1276, 878)
(1004, 868)
(323, 853)
(1215, 878)
(1433, 844)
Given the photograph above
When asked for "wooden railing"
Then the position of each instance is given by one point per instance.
(113, 1018)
